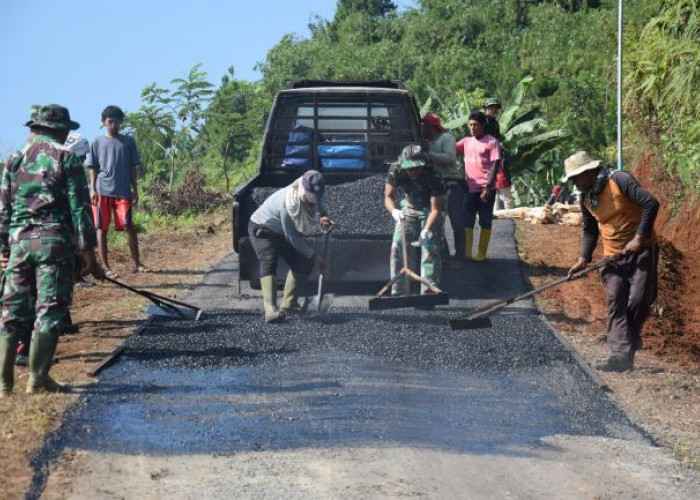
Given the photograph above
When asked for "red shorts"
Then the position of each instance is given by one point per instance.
(103, 213)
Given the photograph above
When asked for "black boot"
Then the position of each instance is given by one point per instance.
(68, 326)
(614, 364)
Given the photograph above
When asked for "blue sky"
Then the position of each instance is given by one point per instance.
(86, 54)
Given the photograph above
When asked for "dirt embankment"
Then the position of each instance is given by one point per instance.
(677, 325)
(663, 394)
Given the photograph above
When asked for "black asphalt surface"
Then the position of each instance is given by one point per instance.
(230, 383)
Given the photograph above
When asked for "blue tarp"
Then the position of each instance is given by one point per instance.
(329, 153)
(298, 150)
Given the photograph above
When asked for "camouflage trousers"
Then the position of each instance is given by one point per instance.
(430, 250)
(38, 287)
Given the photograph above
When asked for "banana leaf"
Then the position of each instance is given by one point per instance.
(515, 102)
(426, 106)
(530, 149)
(525, 128)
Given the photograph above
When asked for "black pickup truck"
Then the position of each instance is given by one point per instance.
(350, 131)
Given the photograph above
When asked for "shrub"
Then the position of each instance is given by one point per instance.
(192, 196)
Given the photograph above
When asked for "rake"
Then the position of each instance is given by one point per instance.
(479, 317)
(427, 300)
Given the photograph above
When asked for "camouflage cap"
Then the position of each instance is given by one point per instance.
(412, 156)
(51, 116)
(492, 101)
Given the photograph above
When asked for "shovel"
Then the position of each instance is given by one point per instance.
(479, 317)
(171, 307)
(320, 303)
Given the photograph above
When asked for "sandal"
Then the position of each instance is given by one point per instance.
(141, 269)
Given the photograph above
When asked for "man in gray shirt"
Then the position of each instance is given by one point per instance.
(277, 229)
(113, 161)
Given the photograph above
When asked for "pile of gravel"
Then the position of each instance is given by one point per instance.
(357, 207)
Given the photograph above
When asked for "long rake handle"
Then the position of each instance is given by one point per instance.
(157, 299)
(406, 272)
(494, 306)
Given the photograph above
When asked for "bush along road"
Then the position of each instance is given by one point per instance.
(354, 405)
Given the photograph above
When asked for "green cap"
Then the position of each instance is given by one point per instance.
(412, 156)
(51, 116)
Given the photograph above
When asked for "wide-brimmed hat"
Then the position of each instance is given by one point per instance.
(412, 156)
(577, 164)
(492, 101)
(433, 120)
(314, 185)
(51, 116)
(34, 111)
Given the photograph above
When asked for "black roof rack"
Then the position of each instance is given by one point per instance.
(385, 84)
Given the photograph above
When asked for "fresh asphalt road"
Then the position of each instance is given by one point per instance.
(356, 404)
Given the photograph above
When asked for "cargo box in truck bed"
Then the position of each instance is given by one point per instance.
(350, 131)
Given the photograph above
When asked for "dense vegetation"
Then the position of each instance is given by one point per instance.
(452, 54)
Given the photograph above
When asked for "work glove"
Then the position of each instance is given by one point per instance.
(397, 215)
(425, 235)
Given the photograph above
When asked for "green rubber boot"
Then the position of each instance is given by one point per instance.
(41, 351)
(8, 350)
(269, 293)
(484, 237)
(468, 242)
(289, 295)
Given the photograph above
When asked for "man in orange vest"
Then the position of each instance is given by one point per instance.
(616, 208)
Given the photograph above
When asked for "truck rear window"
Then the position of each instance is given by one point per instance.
(338, 134)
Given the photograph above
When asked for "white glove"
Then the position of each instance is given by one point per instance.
(425, 235)
(397, 215)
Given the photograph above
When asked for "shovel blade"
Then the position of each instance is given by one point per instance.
(424, 300)
(313, 306)
(470, 324)
(174, 312)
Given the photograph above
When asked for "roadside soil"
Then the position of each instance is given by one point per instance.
(662, 395)
(106, 315)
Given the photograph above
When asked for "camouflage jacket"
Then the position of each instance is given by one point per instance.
(44, 192)
(418, 191)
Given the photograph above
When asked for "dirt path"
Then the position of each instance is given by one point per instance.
(106, 316)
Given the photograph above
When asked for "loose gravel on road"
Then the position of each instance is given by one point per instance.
(357, 207)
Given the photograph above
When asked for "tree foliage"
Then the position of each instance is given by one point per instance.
(452, 54)
(664, 81)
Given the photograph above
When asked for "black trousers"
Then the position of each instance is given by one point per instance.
(269, 247)
(631, 288)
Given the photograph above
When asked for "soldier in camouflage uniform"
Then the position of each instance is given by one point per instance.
(22, 358)
(43, 202)
(421, 213)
